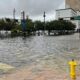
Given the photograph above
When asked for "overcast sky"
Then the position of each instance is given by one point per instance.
(33, 8)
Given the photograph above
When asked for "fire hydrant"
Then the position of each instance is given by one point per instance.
(73, 65)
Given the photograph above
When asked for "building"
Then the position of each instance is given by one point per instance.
(74, 4)
(71, 9)
(65, 13)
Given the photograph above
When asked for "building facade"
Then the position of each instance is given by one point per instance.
(72, 8)
(74, 4)
(65, 13)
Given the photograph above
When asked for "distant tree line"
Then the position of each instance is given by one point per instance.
(59, 27)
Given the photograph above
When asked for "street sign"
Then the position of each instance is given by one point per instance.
(23, 23)
(77, 18)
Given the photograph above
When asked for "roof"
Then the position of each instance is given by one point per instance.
(66, 9)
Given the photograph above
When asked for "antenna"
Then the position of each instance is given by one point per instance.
(23, 15)
(14, 13)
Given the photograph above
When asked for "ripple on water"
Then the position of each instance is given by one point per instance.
(18, 52)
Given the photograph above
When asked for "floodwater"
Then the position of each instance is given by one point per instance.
(53, 50)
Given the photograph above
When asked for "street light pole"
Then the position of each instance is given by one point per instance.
(14, 14)
(44, 15)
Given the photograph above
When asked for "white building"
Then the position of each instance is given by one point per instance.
(66, 14)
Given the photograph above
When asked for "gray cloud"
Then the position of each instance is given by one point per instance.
(37, 7)
(31, 7)
(6, 7)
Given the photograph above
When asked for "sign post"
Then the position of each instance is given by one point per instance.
(23, 23)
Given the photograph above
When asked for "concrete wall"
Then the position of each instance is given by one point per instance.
(74, 4)
(65, 13)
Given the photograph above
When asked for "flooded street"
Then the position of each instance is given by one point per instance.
(51, 51)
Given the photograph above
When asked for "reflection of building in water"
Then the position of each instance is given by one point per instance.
(72, 8)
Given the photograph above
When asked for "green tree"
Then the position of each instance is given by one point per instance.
(2, 24)
(39, 25)
(60, 26)
(29, 26)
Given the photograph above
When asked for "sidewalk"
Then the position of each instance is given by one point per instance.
(44, 69)
(35, 72)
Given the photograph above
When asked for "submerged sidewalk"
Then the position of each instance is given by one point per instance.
(35, 72)
(44, 70)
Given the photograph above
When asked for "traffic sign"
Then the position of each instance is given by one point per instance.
(23, 23)
(75, 18)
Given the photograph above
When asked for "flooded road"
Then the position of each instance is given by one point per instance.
(53, 51)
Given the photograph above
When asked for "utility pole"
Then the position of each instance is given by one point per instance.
(44, 15)
(14, 14)
(23, 15)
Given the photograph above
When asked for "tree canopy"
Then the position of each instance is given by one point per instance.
(60, 26)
